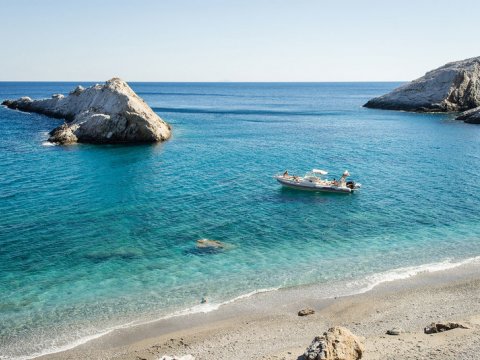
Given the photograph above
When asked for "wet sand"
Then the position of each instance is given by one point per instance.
(266, 325)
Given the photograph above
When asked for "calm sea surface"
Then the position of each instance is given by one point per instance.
(94, 237)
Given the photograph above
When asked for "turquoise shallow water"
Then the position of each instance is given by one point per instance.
(93, 237)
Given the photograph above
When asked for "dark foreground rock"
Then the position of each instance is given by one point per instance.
(441, 327)
(471, 116)
(102, 114)
(338, 343)
(452, 87)
(306, 312)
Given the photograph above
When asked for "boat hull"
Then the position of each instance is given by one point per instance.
(313, 186)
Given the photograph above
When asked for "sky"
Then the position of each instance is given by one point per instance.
(236, 40)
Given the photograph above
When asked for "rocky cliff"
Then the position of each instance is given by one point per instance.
(452, 87)
(103, 114)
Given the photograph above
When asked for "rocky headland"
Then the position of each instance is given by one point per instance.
(101, 114)
(454, 87)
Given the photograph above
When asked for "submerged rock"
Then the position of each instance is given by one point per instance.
(102, 114)
(338, 343)
(212, 244)
(452, 87)
(441, 327)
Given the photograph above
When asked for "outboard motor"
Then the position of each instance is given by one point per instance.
(351, 184)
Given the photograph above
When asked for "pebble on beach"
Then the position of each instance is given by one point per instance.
(394, 331)
(434, 328)
(305, 312)
(185, 357)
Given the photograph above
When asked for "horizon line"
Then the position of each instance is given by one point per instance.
(211, 82)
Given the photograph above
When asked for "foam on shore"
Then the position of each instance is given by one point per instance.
(200, 308)
(374, 280)
(355, 287)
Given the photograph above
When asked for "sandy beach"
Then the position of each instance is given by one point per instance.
(266, 325)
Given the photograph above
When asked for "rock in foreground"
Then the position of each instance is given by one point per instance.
(452, 87)
(338, 343)
(102, 114)
(306, 312)
(434, 328)
(471, 116)
(394, 331)
(185, 357)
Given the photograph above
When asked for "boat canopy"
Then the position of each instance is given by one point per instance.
(321, 172)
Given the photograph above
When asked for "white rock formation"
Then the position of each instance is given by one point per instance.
(452, 87)
(110, 113)
(338, 343)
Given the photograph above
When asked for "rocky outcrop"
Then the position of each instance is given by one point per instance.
(337, 343)
(470, 116)
(452, 87)
(102, 114)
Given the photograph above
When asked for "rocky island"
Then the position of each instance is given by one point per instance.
(101, 114)
(453, 87)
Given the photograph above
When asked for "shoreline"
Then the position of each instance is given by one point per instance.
(269, 306)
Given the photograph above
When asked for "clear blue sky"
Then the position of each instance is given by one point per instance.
(249, 40)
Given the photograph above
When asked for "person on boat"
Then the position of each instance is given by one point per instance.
(285, 174)
(343, 179)
(335, 182)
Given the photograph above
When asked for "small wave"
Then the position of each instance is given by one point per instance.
(48, 143)
(246, 112)
(209, 307)
(184, 94)
(360, 286)
(7, 195)
(251, 96)
(57, 349)
(197, 309)
(407, 272)
(120, 253)
(21, 112)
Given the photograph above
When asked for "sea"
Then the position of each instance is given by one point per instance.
(99, 237)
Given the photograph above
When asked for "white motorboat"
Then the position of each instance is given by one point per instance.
(314, 181)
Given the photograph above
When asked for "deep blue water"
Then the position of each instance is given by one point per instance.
(93, 237)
